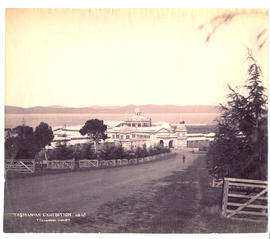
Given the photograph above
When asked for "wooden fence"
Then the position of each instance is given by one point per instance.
(121, 162)
(61, 164)
(28, 166)
(20, 165)
(107, 163)
(85, 163)
(245, 199)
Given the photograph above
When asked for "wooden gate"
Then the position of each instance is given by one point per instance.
(216, 182)
(20, 165)
(245, 199)
(86, 163)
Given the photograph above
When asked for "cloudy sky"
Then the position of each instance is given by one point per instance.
(84, 57)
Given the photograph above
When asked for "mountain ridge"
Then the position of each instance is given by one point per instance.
(147, 108)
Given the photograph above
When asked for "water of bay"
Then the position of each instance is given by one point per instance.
(60, 120)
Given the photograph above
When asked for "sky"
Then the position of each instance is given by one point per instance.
(84, 57)
(57, 57)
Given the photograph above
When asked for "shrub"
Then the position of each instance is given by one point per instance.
(140, 152)
(62, 152)
(112, 152)
(84, 151)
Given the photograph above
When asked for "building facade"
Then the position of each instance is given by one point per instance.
(137, 131)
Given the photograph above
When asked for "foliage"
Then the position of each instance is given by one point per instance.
(240, 145)
(95, 129)
(141, 152)
(26, 142)
(157, 150)
(84, 151)
(11, 147)
(221, 20)
(112, 152)
(61, 152)
(43, 135)
(118, 152)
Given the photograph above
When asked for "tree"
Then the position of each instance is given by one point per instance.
(95, 129)
(43, 135)
(62, 152)
(11, 147)
(240, 145)
(25, 142)
(221, 20)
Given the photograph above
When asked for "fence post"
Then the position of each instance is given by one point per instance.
(213, 182)
(34, 165)
(225, 196)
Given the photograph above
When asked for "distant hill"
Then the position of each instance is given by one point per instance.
(112, 109)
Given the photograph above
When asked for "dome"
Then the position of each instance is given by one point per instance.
(137, 110)
(137, 118)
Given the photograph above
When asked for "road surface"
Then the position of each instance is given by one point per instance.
(167, 196)
(85, 191)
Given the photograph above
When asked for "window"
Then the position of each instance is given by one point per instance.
(133, 135)
(139, 124)
(127, 137)
(146, 136)
(121, 136)
(117, 136)
(133, 125)
(113, 136)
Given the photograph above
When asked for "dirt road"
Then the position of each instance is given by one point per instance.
(166, 196)
(84, 192)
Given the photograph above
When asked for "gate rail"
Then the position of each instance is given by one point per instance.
(20, 165)
(245, 199)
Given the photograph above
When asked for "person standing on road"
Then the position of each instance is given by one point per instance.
(184, 158)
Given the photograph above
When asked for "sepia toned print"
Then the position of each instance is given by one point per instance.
(136, 121)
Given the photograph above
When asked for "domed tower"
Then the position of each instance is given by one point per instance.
(137, 111)
(137, 120)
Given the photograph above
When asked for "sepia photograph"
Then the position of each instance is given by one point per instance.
(136, 120)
